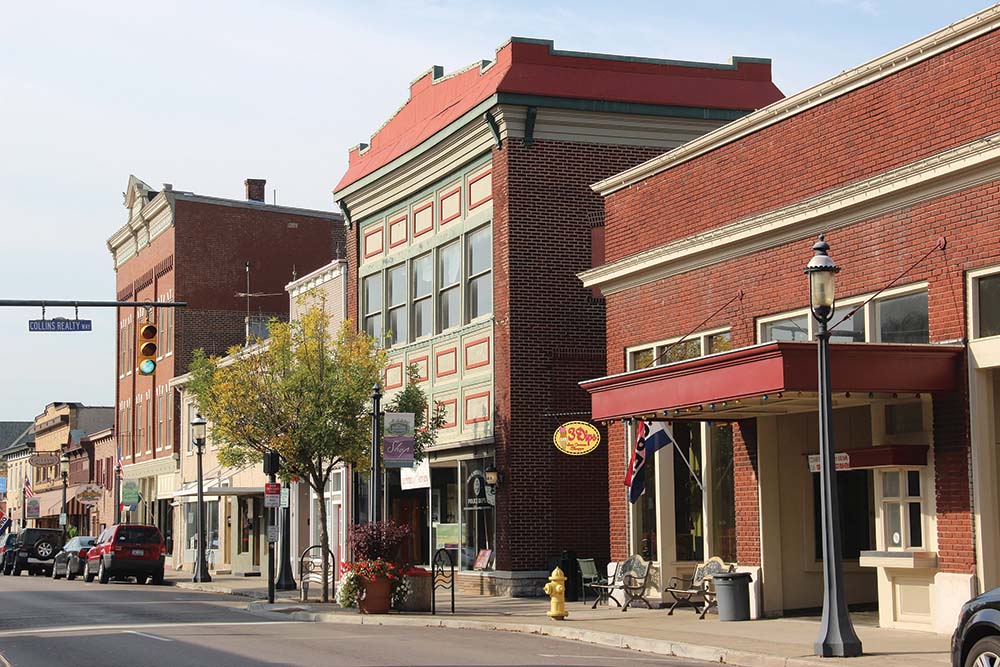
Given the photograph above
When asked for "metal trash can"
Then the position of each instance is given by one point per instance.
(733, 594)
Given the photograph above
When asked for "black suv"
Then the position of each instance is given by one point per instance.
(36, 549)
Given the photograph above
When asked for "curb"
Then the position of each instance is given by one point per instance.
(610, 639)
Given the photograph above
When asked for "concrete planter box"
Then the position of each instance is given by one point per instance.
(420, 595)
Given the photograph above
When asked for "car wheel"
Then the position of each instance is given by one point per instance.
(88, 576)
(71, 571)
(17, 571)
(984, 653)
(44, 549)
(102, 574)
(157, 578)
(55, 571)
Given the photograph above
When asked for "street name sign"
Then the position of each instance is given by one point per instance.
(59, 324)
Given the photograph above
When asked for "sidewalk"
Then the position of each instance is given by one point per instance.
(763, 643)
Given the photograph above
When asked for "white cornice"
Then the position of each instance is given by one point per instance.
(905, 56)
(950, 171)
(320, 276)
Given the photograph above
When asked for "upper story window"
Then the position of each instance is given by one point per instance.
(441, 289)
(669, 351)
(984, 302)
(396, 293)
(372, 305)
(480, 258)
(423, 289)
(450, 278)
(897, 316)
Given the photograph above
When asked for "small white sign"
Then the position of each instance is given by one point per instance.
(417, 477)
(842, 461)
(62, 519)
(272, 534)
(284, 497)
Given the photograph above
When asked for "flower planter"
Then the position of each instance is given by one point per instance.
(421, 590)
(376, 595)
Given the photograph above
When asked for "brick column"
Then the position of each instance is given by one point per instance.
(953, 483)
(745, 483)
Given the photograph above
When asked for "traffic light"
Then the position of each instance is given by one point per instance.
(146, 350)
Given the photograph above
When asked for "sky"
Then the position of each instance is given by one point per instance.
(204, 94)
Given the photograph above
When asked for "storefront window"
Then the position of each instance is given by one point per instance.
(688, 508)
(723, 493)
(645, 509)
(989, 305)
(211, 525)
(479, 515)
(445, 527)
(903, 319)
(901, 505)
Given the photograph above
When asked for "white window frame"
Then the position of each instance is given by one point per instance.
(428, 298)
(469, 276)
(972, 289)
(903, 501)
(457, 286)
(404, 305)
(872, 332)
(659, 346)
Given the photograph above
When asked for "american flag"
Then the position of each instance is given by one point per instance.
(28, 493)
(118, 467)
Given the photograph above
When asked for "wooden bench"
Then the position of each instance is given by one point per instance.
(698, 592)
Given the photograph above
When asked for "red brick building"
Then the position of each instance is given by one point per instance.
(469, 216)
(708, 328)
(181, 246)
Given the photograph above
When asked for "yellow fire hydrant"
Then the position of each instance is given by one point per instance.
(556, 590)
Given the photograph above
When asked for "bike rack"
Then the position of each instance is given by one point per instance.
(311, 569)
(441, 579)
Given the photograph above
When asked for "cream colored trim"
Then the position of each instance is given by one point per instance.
(895, 61)
(949, 171)
(972, 314)
(700, 336)
(320, 276)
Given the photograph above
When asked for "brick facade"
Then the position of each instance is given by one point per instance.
(917, 112)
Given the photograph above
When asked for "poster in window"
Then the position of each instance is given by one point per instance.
(478, 494)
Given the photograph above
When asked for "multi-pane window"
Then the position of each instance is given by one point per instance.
(140, 422)
(900, 317)
(480, 272)
(423, 289)
(902, 513)
(449, 280)
(692, 347)
(396, 294)
(149, 423)
(372, 299)
(169, 440)
(988, 295)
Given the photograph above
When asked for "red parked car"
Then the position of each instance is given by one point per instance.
(126, 550)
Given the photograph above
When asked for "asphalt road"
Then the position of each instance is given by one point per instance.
(46, 623)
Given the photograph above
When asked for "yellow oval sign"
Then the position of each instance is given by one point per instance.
(576, 438)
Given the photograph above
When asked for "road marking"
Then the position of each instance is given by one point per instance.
(4, 661)
(143, 634)
(110, 628)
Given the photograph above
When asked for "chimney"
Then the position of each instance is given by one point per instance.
(255, 189)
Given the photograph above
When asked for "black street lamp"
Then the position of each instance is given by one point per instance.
(198, 429)
(374, 488)
(286, 582)
(64, 470)
(836, 633)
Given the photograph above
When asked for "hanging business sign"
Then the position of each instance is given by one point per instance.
(576, 438)
(32, 508)
(130, 492)
(43, 460)
(90, 495)
(399, 437)
(417, 477)
(841, 461)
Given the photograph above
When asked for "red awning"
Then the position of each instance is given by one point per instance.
(774, 378)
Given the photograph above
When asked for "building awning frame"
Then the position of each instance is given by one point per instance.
(774, 378)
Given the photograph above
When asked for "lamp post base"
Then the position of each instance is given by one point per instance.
(837, 649)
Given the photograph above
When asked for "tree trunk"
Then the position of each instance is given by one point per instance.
(325, 542)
